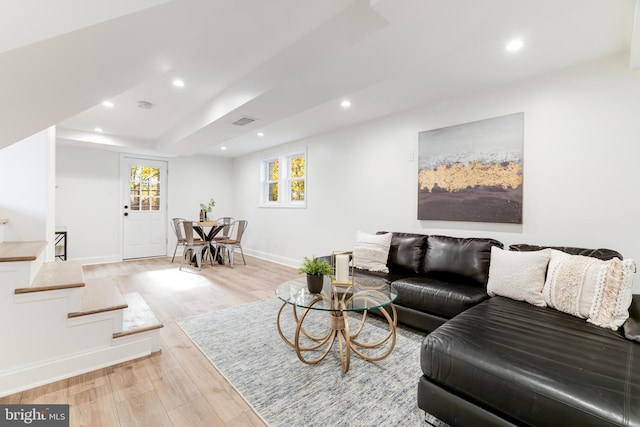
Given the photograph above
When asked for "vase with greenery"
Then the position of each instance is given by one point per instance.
(315, 269)
(205, 209)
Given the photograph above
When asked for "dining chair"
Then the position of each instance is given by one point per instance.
(237, 229)
(225, 233)
(196, 246)
(180, 239)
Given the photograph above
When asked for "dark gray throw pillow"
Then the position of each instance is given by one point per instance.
(631, 327)
(467, 257)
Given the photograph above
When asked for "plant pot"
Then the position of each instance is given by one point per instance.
(314, 283)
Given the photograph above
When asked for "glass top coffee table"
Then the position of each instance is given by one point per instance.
(338, 301)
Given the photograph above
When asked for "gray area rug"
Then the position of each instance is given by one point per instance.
(244, 344)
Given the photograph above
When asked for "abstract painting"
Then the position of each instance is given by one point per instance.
(473, 171)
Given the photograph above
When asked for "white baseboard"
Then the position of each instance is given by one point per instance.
(98, 260)
(289, 262)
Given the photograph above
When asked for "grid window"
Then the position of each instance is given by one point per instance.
(284, 181)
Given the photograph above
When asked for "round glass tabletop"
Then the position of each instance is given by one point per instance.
(364, 294)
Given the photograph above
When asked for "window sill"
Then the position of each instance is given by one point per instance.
(283, 205)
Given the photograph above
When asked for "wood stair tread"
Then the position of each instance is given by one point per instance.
(99, 296)
(56, 275)
(138, 317)
(21, 251)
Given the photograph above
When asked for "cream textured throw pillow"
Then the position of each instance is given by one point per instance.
(518, 275)
(371, 251)
(590, 288)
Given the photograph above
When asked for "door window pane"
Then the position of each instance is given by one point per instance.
(145, 188)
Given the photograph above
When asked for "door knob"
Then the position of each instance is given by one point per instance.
(126, 214)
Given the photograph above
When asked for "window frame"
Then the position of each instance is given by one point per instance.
(284, 181)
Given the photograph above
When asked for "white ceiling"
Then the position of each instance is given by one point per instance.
(287, 63)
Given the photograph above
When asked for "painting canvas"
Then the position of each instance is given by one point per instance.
(473, 171)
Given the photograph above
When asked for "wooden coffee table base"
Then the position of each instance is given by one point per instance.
(339, 329)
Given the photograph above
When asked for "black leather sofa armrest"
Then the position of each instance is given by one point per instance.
(631, 327)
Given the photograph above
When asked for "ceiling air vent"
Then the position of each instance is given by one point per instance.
(245, 120)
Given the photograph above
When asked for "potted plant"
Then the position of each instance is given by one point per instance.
(205, 208)
(315, 269)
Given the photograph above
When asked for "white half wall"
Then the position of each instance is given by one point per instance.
(88, 203)
(580, 156)
(25, 193)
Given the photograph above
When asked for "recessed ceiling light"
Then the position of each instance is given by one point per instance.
(223, 148)
(260, 134)
(108, 104)
(514, 45)
(98, 130)
(178, 83)
(345, 104)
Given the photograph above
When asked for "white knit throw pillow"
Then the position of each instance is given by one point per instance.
(371, 251)
(518, 275)
(590, 288)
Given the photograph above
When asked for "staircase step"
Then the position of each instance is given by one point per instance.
(21, 251)
(99, 296)
(56, 275)
(138, 317)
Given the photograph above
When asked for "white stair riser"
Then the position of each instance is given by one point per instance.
(153, 336)
(118, 351)
(42, 333)
(19, 274)
(70, 295)
(113, 316)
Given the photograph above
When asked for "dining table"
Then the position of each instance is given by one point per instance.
(207, 230)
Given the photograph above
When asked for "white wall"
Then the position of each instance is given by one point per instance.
(197, 179)
(580, 158)
(88, 203)
(25, 188)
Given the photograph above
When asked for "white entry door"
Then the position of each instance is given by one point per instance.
(144, 207)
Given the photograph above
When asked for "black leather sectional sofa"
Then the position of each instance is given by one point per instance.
(493, 361)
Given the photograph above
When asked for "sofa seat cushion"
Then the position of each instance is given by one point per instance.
(536, 365)
(387, 277)
(438, 296)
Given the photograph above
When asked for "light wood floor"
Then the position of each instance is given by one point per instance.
(177, 386)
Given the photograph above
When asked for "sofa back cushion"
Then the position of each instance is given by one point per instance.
(466, 257)
(406, 253)
(603, 254)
